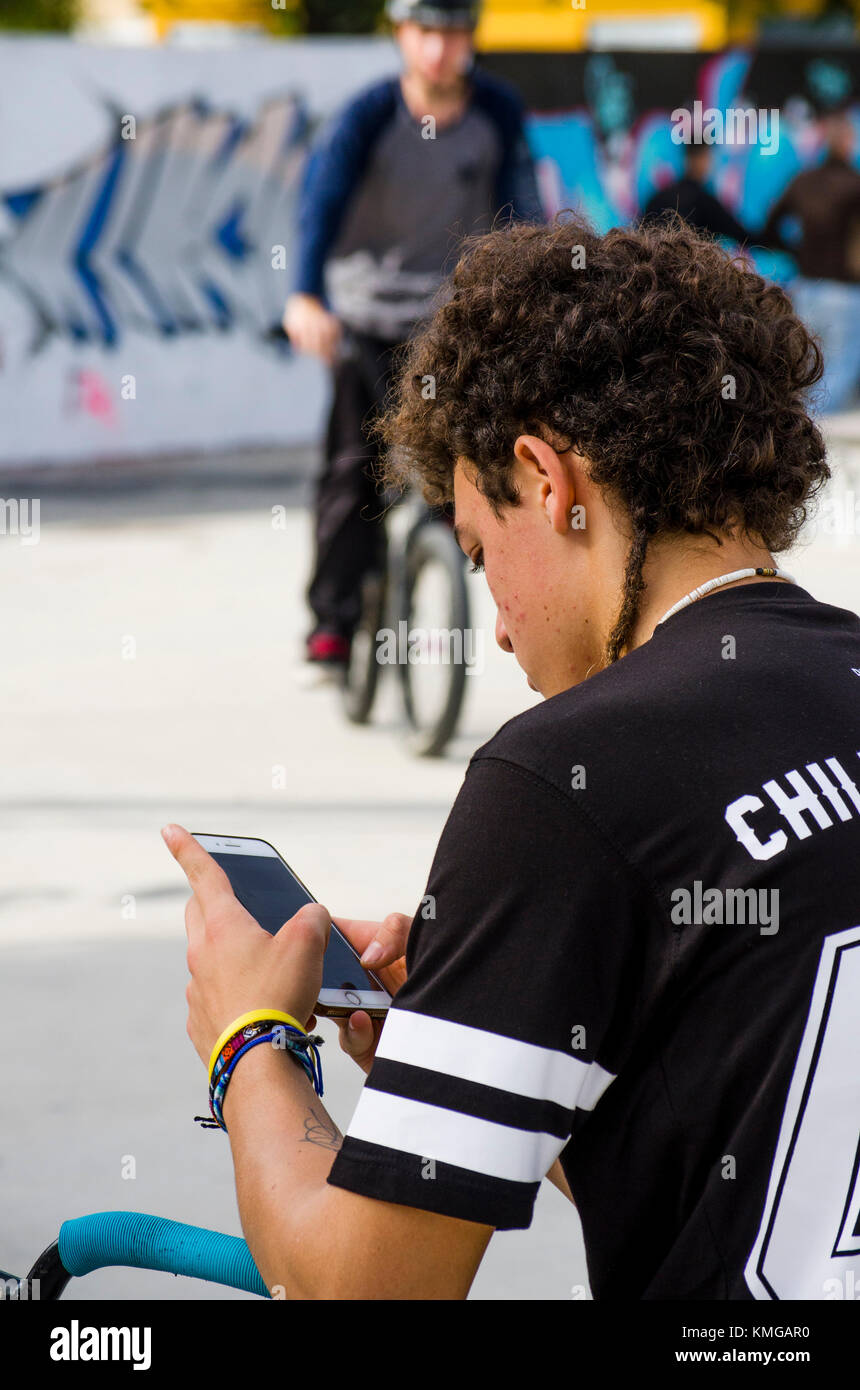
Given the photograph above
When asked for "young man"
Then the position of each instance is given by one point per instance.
(403, 172)
(643, 972)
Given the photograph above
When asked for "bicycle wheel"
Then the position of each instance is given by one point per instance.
(361, 676)
(433, 677)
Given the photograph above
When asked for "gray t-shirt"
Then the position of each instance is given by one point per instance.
(421, 195)
(387, 199)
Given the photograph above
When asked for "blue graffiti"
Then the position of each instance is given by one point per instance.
(172, 230)
(609, 93)
(828, 81)
(590, 164)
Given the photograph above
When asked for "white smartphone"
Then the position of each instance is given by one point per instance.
(267, 887)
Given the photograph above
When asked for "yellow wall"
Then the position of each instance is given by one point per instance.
(166, 13)
(531, 25)
(527, 25)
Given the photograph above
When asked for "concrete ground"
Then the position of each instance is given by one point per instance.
(152, 673)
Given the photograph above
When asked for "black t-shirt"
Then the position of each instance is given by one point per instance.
(698, 207)
(639, 949)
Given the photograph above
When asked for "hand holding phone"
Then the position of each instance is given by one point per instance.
(271, 892)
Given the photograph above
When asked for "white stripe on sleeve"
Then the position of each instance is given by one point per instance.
(448, 1136)
(509, 1064)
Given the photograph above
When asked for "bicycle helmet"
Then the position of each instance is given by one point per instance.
(435, 14)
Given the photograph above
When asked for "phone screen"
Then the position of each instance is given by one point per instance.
(267, 889)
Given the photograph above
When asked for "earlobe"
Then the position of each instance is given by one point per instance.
(542, 463)
(561, 515)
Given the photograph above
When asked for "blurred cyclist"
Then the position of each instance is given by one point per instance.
(404, 171)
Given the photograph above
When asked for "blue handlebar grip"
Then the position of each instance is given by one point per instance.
(152, 1242)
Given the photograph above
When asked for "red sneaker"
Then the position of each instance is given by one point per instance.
(329, 648)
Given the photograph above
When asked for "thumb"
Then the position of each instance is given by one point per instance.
(389, 942)
(357, 1038)
(304, 929)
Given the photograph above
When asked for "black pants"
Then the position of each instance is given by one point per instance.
(348, 529)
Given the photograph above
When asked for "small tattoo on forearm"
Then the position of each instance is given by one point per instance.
(320, 1130)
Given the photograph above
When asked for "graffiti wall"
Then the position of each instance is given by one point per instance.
(146, 212)
(601, 124)
(147, 200)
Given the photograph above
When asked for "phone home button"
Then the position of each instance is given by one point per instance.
(351, 997)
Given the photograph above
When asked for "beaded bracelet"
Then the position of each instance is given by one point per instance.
(297, 1048)
(245, 1020)
(217, 1092)
(231, 1048)
(233, 1039)
(247, 1031)
(219, 1086)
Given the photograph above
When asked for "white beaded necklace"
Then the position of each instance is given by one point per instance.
(712, 584)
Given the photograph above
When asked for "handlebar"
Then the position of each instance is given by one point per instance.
(140, 1241)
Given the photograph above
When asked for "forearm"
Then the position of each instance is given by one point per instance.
(283, 1144)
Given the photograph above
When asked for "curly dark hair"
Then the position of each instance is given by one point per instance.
(673, 368)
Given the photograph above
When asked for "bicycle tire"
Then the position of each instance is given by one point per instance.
(361, 676)
(432, 543)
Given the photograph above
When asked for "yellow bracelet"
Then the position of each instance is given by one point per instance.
(254, 1016)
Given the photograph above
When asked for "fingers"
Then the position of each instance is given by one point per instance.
(391, 935)
(207, 879)
(358, 1038)
(389, 941)
(358, 933)
(306, 929)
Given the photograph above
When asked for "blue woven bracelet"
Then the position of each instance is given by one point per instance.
(253, 1030)
(216, 1094)
(302, 1046)
(305, 1047)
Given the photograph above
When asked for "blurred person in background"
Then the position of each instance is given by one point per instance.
(817, 221)
(402, 173)
(690, 197)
